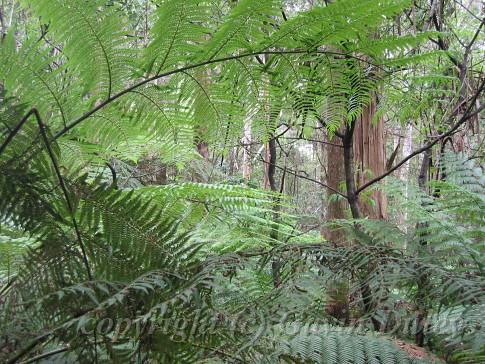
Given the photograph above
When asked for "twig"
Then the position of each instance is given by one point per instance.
(217, 351)
(114, 182)
(315, 141)
(15, 130)
(64, 190)
(45, 355)
(294, 173)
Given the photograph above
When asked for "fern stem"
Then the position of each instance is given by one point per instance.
(220, 352)
(31, 345)
(43, 133)
(187, 68)
(64, 190)
(14, 132)
(45, 355)
(132, 88)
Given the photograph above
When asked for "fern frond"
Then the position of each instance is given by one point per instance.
(92, 37)
(177, 34)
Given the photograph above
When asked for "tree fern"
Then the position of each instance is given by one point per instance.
(178, 34)
(76, 96)
(136, 256)
(85, 30)
(320, 344)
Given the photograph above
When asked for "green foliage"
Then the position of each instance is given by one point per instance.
(443, 236)
(320, 344)
(170, 268)
(83, 29)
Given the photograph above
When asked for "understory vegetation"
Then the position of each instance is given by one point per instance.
(242, 181)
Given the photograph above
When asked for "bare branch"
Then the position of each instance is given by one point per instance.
(45, 355)
(296, 174)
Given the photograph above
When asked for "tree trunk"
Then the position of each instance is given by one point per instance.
(203, 149)
(364, 147)
(370, 159)
(335, 175)
(246, 140)
(270, 183)
(270, 165)
(422, 279)
(349, 166)
(338, 291)
(152, 171)
(203, 79)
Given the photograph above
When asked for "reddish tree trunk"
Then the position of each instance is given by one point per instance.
(338, 291)
(370, 160)
(334, 177)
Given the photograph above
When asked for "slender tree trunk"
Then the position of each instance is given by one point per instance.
(270, 182)
(203, 79)
(269, 161)
(266, 162)
(232, 161)
(404, 173)
(246, 159)
(203, 149)
(270, 165)
(352, 196)
(422, 280)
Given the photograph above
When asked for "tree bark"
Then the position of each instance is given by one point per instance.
(151, 171)
(352, 196)
(270, 165)
(337, 304)
(370, 159)
(422, 280)
(203, 80)
(368, 146)
(203, 149)
(334, 207)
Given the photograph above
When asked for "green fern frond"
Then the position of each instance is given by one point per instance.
(323, 344)
(178, 34)
(93, 30)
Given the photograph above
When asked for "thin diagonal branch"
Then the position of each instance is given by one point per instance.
(296, 174)
(116, 96)
(187, 68)
(475, 36)
(315, 141)
(64, 191)
(15, 130)
(52, 157)
(45, 355)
